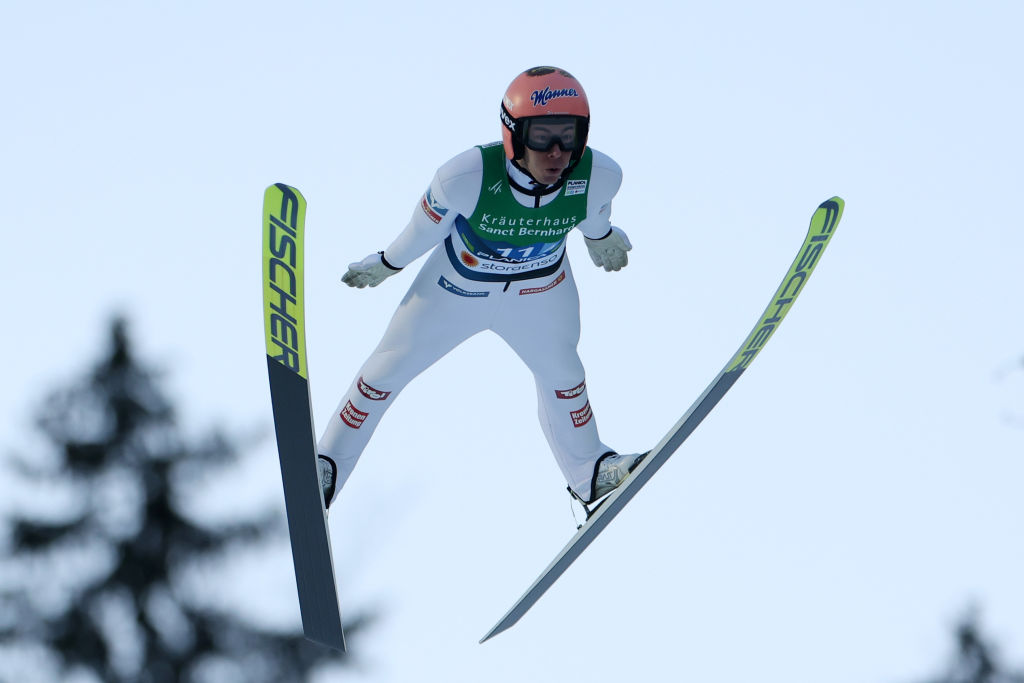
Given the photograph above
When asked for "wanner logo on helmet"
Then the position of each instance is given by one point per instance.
(542, 97)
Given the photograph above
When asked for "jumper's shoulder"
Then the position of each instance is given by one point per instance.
(605, 174)
(462, 167)
(604, 163)
(458, 179)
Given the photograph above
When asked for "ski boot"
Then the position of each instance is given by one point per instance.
(610, 470)
(328, 471)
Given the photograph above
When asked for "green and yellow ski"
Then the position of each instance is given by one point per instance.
(823, 224)
(284, 215)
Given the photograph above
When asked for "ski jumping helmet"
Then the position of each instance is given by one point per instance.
(538, 93)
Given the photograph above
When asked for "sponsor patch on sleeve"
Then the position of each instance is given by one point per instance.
(434, 210)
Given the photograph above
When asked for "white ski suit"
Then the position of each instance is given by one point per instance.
(498, 263)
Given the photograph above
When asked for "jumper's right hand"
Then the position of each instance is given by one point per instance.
(369, 272)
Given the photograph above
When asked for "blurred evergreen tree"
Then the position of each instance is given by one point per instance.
(99, 582)
(975, 659)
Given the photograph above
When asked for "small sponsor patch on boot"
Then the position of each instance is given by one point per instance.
(371, 393)
(352, 416)
(582, 416)
(572, 393)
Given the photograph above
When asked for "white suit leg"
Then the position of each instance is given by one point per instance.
(543, 327)
(428, 324)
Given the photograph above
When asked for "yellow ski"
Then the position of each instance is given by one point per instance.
(823, 224)
(284, 217)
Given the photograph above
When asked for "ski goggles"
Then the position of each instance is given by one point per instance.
(544, 132)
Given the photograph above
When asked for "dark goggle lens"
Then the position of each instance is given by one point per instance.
(541, 135)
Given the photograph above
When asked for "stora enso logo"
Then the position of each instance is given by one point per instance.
(542, 97)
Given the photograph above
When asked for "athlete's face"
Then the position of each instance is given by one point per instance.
(546, 167)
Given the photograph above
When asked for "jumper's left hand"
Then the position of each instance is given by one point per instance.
(609, 252)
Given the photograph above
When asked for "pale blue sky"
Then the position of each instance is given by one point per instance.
(831, 519)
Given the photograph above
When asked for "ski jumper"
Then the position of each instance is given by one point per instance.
(499, 264)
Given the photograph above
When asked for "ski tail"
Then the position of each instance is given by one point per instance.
(823, 224)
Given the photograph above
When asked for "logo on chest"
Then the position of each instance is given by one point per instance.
(573, 187)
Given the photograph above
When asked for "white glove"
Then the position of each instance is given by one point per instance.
(609, 252)
(369, 272)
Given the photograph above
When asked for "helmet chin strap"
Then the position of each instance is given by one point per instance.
(541, 188)
(515, 162)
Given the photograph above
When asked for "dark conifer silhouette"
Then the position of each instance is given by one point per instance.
(92, 586)
(975, 658)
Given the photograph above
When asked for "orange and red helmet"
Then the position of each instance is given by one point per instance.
(549, 95)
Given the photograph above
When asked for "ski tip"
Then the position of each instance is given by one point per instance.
(833, 203)
(283, 188)
(829, 213)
